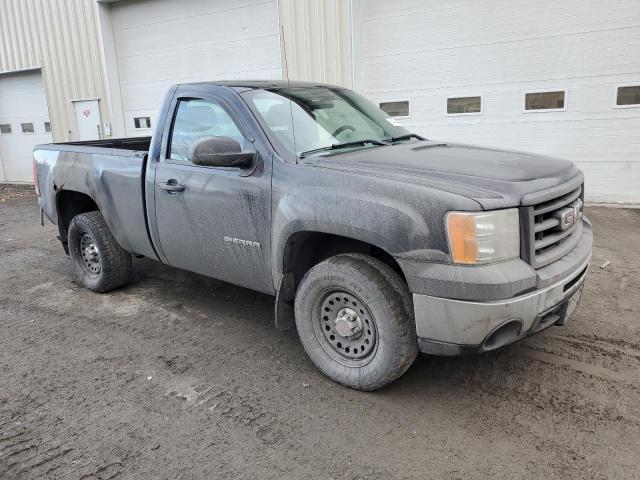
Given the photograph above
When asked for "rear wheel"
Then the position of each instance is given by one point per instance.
(99, 262)
(355, 321)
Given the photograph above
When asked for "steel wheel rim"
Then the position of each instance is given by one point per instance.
(345, 327)
(90, 254)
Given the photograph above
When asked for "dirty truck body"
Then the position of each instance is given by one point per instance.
(375, 248)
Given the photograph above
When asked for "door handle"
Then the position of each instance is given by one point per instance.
(171, 186)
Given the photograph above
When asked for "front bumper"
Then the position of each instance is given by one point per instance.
(453, 326)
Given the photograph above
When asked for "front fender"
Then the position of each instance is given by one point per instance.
(404, 220)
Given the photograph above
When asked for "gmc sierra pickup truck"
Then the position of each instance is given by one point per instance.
(375, 241)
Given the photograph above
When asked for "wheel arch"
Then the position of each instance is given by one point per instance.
(70, 203)
(304, 249)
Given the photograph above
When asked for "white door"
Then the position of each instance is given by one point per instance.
(497, 51)
(24, 123)
(164, 42)
(87, 113)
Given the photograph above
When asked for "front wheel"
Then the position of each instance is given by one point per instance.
(99, 262)
(355, 321)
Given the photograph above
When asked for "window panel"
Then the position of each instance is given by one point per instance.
(196, 119)
(544, 101)
(628, 95)
(47, 127)
(142, 122)
(27, 127)
(458, 105)
(395, 109)
(5, 128)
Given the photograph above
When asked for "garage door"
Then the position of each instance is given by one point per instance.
(163, 42)
(24, 123)
(488, 57)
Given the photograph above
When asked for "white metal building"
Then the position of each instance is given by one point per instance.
(49, 61)
(497, 51)
(152, 44)
(559, 78)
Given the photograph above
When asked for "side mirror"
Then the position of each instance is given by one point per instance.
(219, 152)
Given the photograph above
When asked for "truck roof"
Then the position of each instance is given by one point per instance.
(262, 84)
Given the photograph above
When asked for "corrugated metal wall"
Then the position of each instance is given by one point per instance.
(60, 37)
(317, 35)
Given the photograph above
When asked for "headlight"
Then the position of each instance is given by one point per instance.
(483, 237)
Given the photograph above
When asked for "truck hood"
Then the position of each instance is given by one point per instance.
(494, 178)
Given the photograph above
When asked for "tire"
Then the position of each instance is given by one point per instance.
(98, 261)
(372, 348)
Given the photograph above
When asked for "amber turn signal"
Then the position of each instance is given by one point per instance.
(462, 238)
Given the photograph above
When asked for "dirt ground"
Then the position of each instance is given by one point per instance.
(179, 376)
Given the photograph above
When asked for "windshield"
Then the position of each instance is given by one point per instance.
(317, 120)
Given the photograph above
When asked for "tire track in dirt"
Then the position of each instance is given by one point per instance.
(21, 456)
(605, 344)
(586, 368)
(608, 364)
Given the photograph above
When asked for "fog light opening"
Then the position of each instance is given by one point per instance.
(503, 335)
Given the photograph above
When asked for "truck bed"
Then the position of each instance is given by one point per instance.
(111, 173)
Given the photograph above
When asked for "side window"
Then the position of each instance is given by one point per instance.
(395, 109)
(628, 96)
(464, 105)
(195, 119)
(544, 100)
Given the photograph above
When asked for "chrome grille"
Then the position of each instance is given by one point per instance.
(553, 228)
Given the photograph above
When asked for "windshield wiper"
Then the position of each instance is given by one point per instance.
(408, 136)
(337, 146)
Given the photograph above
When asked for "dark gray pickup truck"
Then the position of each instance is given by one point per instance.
(376, 242)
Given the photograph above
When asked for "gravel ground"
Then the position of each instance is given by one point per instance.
(180, 376)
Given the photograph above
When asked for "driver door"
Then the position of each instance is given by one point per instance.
(213, 220)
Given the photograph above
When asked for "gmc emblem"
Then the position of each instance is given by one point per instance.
(570, 215)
